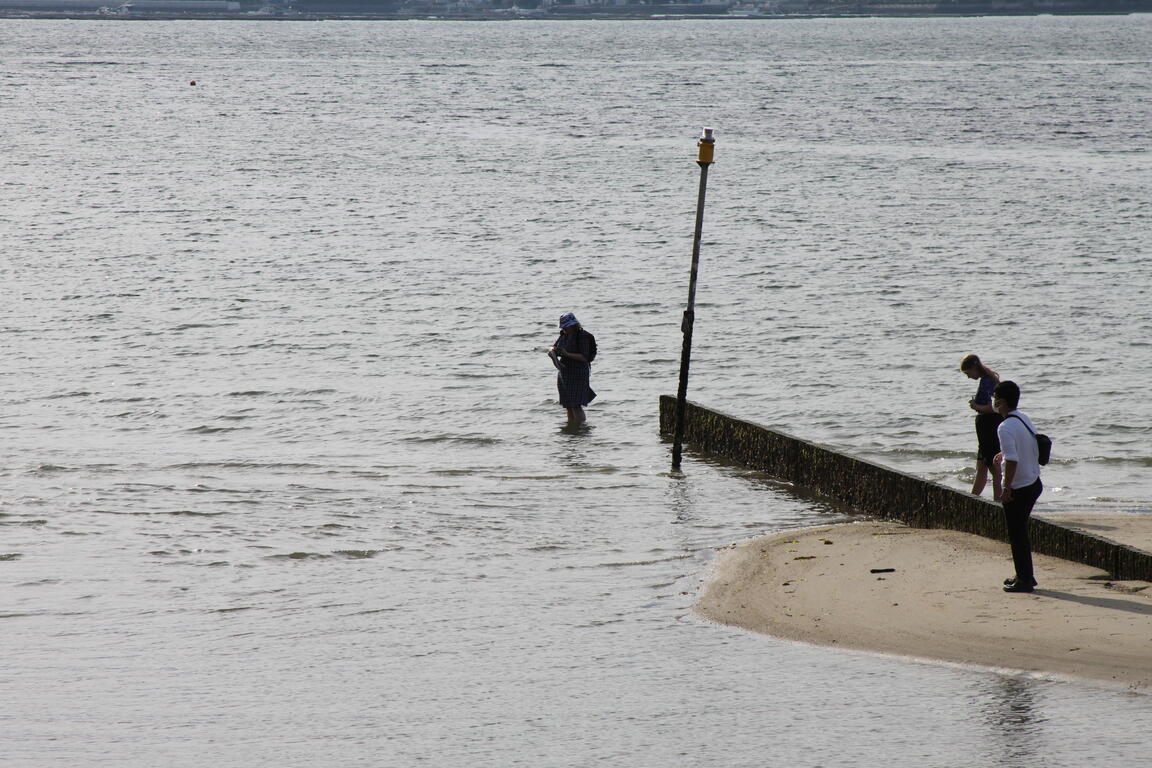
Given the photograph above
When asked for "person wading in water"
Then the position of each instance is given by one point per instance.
(573, 354)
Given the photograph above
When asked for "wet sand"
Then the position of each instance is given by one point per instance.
(938, 595)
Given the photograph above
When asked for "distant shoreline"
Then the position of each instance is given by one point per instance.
(10, 14)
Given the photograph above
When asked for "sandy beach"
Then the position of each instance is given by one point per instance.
(936, 594)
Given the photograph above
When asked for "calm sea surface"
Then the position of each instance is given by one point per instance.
(284, 481)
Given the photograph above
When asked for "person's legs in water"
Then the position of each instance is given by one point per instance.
(981, 480)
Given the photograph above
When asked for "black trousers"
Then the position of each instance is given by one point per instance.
(1016, 514)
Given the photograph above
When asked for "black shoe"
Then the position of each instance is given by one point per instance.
(1014, 587)
(1010, 581)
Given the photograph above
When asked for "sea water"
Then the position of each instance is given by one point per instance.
(284, 477)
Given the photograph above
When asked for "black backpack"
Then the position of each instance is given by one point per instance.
(1043, 442)
(591, 344)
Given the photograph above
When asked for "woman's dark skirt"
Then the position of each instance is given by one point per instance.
(573, 384)
(986, 437)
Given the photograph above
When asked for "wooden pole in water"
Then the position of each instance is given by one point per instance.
(706, 146)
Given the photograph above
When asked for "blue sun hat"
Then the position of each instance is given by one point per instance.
(567, 320)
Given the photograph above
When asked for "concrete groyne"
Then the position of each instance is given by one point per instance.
(888, 493)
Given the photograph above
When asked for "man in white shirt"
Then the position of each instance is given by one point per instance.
(1021, 460)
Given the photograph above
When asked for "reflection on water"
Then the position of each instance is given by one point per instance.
(680, 498)
(1013, 722)
(576, 430)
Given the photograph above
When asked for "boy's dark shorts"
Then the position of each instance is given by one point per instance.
(986, 437)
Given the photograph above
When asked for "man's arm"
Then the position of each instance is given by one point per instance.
(1011, 457)
(1009, 473)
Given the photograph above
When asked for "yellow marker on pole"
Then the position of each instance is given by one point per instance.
(707, 146)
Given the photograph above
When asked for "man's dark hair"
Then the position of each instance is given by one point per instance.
(1007, 390)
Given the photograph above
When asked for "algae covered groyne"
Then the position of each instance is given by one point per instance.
(888, 493)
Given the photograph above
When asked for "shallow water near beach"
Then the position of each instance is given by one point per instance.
(284, 477)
